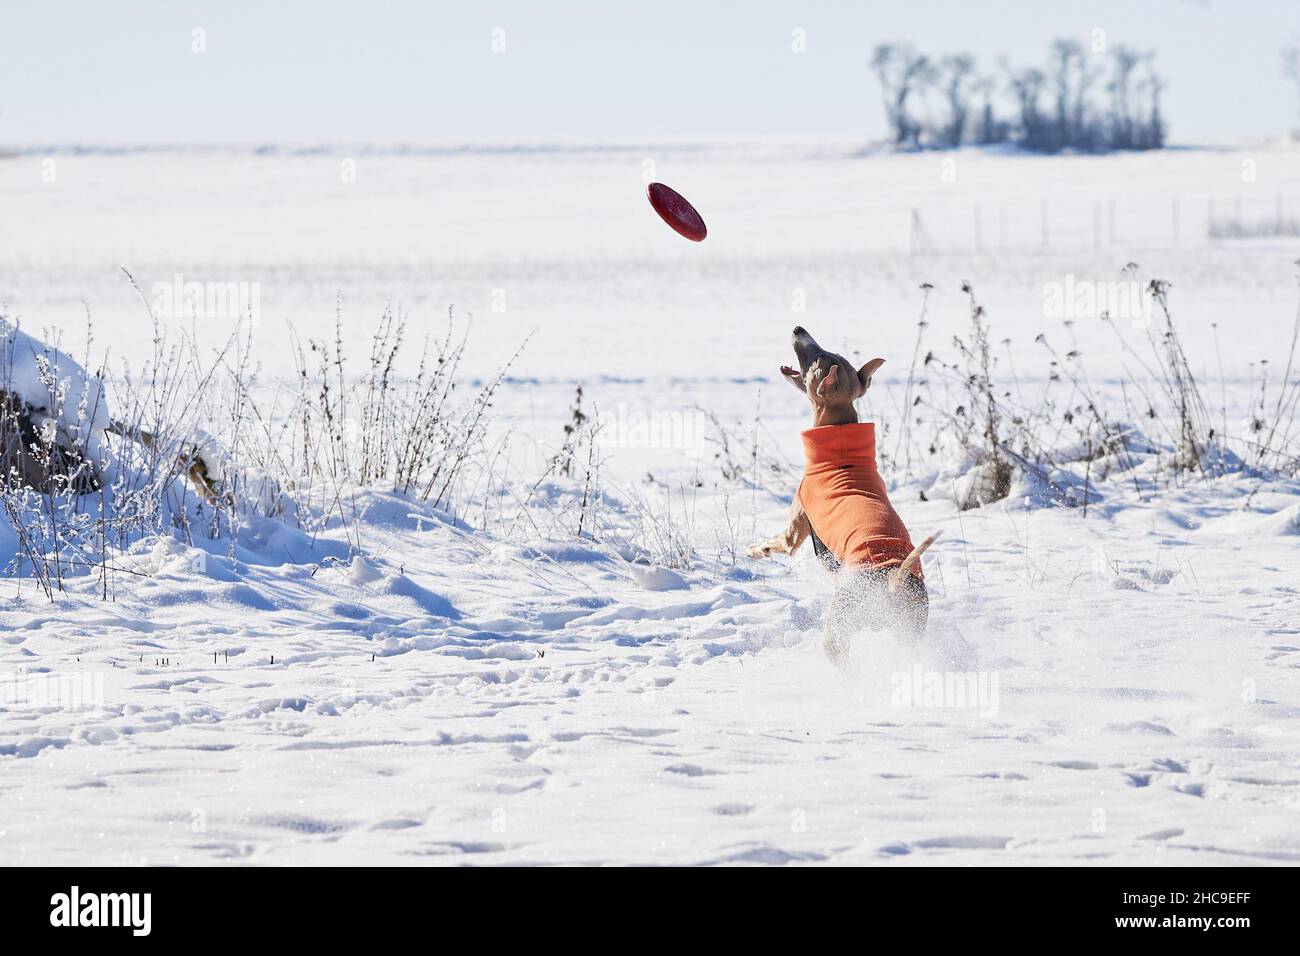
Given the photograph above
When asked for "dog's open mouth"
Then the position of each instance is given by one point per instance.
(806, 351)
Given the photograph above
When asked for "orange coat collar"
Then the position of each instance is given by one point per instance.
(837, 444)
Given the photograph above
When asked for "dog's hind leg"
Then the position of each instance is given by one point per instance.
(912, 607)
(857, 606)
(840, 626)
(897, 575)
(836, 644)
(837, 640)
(865, 601)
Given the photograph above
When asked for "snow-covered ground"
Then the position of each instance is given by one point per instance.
(492, 688)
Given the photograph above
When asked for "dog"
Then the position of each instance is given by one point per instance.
(842, 506)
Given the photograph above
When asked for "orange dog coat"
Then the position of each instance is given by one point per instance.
(844, 497)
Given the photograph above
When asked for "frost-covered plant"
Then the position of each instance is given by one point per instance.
(52, 418)
(407, 431)
(664, 531)
(196, 445)
(1061, 439)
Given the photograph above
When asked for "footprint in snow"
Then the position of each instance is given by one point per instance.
(690, 770)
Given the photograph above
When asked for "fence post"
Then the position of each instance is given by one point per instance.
(920, 241)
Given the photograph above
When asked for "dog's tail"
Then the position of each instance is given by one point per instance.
(897, 574)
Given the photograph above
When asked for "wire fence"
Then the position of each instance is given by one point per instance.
(1070, 224)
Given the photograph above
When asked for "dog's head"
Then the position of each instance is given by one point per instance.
(827, 380)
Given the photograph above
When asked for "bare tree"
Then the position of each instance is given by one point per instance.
(956, 72)
(1064, 55)
(1153, 135)
(902, 73)
(1125, 62)
(1085, 134)
(989, 129)
(1027, 85)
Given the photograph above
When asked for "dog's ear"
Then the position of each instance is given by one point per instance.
(827, 384)
(868, 370)
(793, 377)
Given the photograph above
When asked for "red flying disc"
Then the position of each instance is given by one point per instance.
(677, 212)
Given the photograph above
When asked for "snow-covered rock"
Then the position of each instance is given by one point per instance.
(65, 400)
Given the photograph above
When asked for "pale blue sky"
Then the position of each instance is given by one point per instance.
(326, 71)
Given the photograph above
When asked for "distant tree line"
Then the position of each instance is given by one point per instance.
(1080, 100)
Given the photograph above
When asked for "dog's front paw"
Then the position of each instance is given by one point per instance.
(760, 551)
